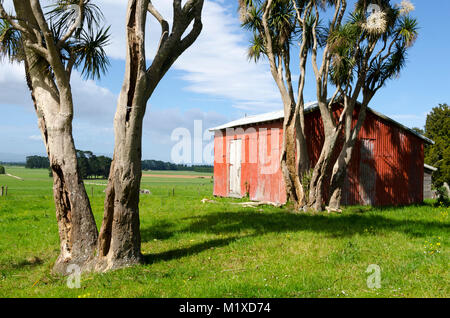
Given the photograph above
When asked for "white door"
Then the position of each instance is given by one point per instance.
(235, 151)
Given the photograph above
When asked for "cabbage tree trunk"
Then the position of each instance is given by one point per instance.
(341, 165)
(76, 225)
(52, 97)
(120, 242)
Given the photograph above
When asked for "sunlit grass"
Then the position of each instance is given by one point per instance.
(222, 250)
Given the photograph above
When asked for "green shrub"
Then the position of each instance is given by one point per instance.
(443, 200)
(2, 170)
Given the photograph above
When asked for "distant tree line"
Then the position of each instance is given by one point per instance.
(37, 162)
(3, 163)
(437, 128)
(162, 165)
(92, 166)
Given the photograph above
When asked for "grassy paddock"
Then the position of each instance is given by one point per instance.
(221, 250)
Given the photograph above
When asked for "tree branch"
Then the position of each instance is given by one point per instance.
(4, 15)
(74, 26)
(163, 22)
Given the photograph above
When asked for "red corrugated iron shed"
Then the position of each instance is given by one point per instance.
(387, 166)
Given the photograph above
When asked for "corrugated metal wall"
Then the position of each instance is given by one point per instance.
(261, 177)
(386, 166)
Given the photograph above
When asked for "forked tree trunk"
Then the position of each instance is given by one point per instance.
(341, 165)
(120, 241)
(302, 164)
(320, 178)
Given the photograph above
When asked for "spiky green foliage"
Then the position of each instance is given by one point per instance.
(90, 53)
(63, 14)
(437, 128)
(84, 50)
(281, 22)
(284, 28)
(321, 32)
(10, 44)
(376, 56)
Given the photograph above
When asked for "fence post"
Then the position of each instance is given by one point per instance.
(1, 192)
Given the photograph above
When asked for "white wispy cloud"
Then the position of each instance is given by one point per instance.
(35, 137)
(216, 65)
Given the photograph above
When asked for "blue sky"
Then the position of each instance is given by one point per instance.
(213, 82)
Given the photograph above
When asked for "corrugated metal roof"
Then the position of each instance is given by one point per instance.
(276, 115)
(259, 118)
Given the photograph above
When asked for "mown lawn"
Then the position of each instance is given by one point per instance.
(221, 250)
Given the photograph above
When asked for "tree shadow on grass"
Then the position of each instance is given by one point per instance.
(187, 251)
(333, 226)
(161, 230)
(274, 222)
(260, 223)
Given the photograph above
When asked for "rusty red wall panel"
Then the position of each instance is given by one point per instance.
(220, 164)
(397, 161)
(399, 164)
(258, 182)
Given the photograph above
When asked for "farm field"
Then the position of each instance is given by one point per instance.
(194, 249)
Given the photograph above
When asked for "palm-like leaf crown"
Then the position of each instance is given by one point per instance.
(281, 21)
(10, 43)
(352, 41)
(282, 24)
(85, 49)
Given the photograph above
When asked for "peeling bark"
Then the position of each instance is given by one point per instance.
(77, 229)
(53, 104)
(119, 242)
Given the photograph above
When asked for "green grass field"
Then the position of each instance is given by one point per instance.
(222, 250)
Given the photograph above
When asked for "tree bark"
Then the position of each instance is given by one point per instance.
(290, 163)
(320, 176)
(54, 108)
(77, 230)
(120, 242)
(340, 166)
